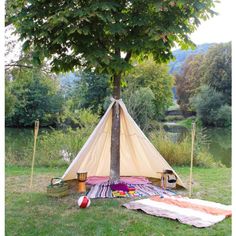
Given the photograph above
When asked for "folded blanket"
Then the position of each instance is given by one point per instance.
(119, 186)
(93, 180)
(198, 213)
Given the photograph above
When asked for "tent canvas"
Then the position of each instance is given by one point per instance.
(138, 156)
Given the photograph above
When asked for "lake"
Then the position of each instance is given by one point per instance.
(19, 142)
(221, 145)
(219, 140)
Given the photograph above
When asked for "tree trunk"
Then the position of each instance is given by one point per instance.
(115, 132)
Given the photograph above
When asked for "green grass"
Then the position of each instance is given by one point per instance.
(31, 212)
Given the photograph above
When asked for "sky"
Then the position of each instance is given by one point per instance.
(219, 28)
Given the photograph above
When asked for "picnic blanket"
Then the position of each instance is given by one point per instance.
(141, 190)
(198, 213)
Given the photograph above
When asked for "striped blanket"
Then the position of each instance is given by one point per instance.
(194, 212)
(142, 190)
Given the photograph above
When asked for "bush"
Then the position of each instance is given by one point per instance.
(205, 159)
(141, 106)
(174, 153)
(18, 146)
(58, 148)
(76, 118)
(211, 108)
(32, 95)
(223, 117)
(179, 153)
(54, 147)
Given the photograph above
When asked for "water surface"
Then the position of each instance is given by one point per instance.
(20, 142)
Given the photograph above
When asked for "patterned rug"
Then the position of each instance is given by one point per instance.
(142, 190)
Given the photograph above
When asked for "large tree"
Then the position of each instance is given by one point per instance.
(31, 95)
(91, 91)
(148, 74)
(212, 68)
(188, 81)
(217, 69)
(104, 35)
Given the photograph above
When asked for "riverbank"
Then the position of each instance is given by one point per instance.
(31, 212)
(58, 148)
(217, 140)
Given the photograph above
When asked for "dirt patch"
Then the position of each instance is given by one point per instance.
(21, 184)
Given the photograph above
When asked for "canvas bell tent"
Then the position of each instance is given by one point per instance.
(138, 157)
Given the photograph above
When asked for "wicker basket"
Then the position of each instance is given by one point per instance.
(58, 189)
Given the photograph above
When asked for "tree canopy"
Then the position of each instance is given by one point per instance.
(217, 69)
(149, 74)
(189, 81)
(103, 35)
(212, 68)
(141, 106)
(205, 84)
(31, 95)
(211, 108)
(90, 91)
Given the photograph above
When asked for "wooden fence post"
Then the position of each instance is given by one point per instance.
(191, 165)
(36, 130)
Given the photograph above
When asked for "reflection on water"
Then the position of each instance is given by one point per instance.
(220, 145)
(219, 141)
(175, 132)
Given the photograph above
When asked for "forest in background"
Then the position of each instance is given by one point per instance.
(201, 78)
(70, 105)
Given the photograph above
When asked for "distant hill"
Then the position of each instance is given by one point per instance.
(68, 80)
(182, 55)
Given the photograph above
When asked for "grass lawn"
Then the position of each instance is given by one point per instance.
(33, 213)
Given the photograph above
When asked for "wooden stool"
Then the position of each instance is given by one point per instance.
(81, 186)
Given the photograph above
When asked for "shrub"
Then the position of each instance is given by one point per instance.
(54, 147)
(141, 106)
(76, 118)
(205, 159)
(179, 153)
(211, 108)
(223, 117)
(18, 146)
(59, 147)
(32, 95)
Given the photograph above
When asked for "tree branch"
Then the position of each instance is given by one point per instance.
(18, 65)
(44, 70)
